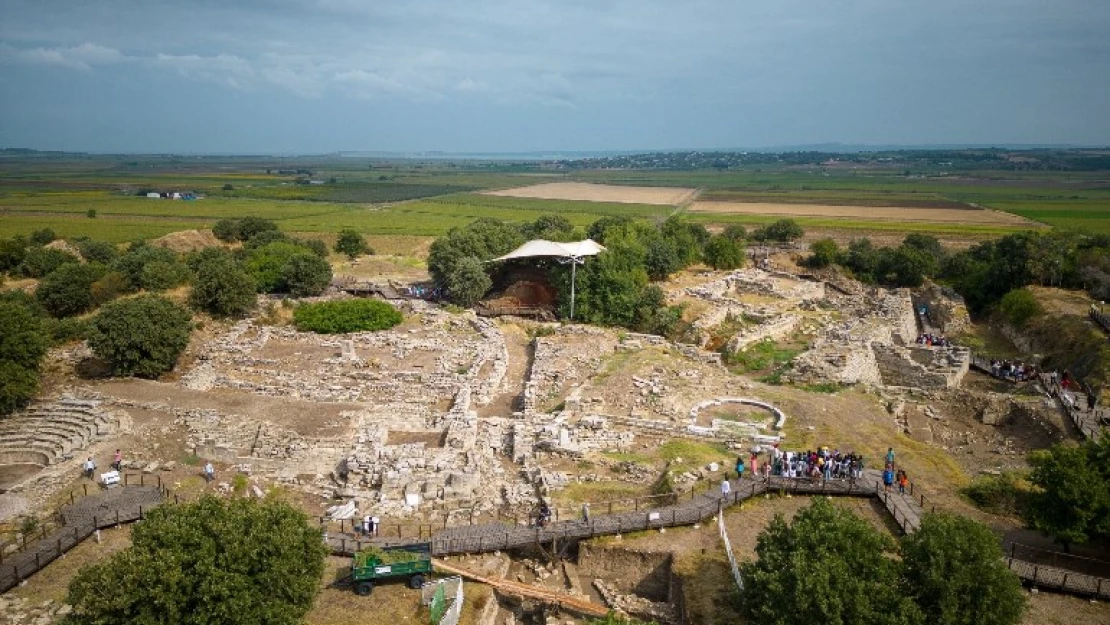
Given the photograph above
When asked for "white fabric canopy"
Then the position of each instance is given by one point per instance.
(539, 247)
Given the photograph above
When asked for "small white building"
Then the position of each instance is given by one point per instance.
(153, 195)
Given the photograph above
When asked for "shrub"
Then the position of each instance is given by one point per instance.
(222, 287)
(39, 261)
(67, 291)
(1019, 306)
(141, 336)
(275, 269)
(97, 251)
(736, 232)
(783, 231)
(160, 275)
(43, 236)
(352, 315)
(352, 244)
(110, 286)
(250, 227)
(226, 230)
(235, 561)
(132, 264)
(824, 252)
(318, 247)
(999, 494)
(265, 237)
(12, 252)
(91, 213)
(67, 330)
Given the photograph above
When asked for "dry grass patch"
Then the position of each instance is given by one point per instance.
(601, 193)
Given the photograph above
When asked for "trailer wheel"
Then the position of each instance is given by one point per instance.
(416, 581)
(363, 589)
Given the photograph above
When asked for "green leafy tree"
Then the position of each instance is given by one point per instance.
(549, 227)
(135, 260)
(250, 227)
(141, 336)
(483, 239)
(39, 261)
(226, 230)
(599, 230)
(97, 251)
(306, 275)
(903, 266)
(222, 287)
(160, 275)
(823, 253)
(351, 243)
(108, 287)
(782, 231)
(661, 258)
(239, 561)
(342, 316)
(736, 232)
(1072, 502)
(954, 571)
(468, 282)
(12, 252)
(318, 247)
(67, 291)
(1019, 306)
(827, 566)
(929, 246)
(23, 343)
(265, 237)
(267, 265)
(43, 236)
(724, 253)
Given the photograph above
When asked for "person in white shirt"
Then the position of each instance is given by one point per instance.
(209, 472)
(90, 467)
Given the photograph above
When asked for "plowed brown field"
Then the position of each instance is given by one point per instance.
(601, 193)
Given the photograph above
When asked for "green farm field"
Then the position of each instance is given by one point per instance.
(407, 199)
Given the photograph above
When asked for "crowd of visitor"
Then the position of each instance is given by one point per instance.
(1009, 370)
(933, 340)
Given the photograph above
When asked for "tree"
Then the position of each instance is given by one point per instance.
(141, 336)
(23, 343)
(222, 288)
(249, 227)
(783, 231)
(136, 259)
(1019, 306)
(550, 227)
(264, 238)
(39, 261)
(482, 239)
(97, 251)
(468, 282)
(160, 275)
(226, 230)
(306, 275)
(108, 287)
(238, 561)
(736, 232)
(67, 291)
(43, 236)
(724, 253)
(827, 566)
(954, 570)
(12, 252)
(1072, 502)
(351, 243)
(824, 252)
(661, 258)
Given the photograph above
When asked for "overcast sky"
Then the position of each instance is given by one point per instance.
(311, 76)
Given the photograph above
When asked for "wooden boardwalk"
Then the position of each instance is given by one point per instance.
(130, 503)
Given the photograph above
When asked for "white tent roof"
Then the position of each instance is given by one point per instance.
(539, 247)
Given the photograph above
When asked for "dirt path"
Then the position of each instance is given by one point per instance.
(520, 349)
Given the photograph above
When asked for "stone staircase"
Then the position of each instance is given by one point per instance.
(54, 431)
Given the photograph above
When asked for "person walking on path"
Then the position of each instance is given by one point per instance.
(726, 488)
(890, 456)
(586, 512)
(375, 522)
(117, 460)
(89, 467)
(366, 525)
(739, 468)
(888, 478)
(753, 463)
(209, 472)
(902, 479)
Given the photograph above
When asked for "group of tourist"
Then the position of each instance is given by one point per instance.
(89, 466)
(1009, 370)
(933, 340)
(816, 464)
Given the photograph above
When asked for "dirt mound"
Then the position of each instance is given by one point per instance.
(65, 246)
(187, 241)
(527, 294)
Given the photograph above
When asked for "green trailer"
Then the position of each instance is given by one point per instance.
(376, 563)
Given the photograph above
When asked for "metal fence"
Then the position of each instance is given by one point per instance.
(728, 551)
